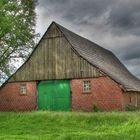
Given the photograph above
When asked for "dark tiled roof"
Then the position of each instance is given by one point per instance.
(103, 59)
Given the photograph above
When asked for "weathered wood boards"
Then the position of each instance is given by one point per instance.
(54, 58)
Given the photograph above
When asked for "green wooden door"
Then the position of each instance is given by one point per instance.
(54, 95)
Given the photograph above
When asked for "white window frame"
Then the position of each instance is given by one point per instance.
(86, 86)
(23, 89)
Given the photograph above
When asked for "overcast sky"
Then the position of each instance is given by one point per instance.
(113, 24)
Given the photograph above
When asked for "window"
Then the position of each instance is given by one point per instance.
(23, 89)
(86, 86)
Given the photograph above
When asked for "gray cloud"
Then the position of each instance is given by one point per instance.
(125, 17)
(113, 24)
(89, 9)
(131, 53)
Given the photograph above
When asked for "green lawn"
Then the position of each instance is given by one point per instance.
(70, 126)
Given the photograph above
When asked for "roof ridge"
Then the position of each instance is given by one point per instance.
(58, 25)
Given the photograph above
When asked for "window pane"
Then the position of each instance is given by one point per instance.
(86, 86)
(23, 89)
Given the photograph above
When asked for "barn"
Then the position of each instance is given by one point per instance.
(67, 72)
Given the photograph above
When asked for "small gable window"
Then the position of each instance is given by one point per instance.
(23, 89)
(87, 86)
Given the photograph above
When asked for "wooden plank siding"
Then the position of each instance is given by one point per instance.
(54, 58)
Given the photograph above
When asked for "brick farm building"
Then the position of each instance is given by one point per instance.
(68, 72)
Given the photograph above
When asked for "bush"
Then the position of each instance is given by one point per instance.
(95, 108)
(130, 108)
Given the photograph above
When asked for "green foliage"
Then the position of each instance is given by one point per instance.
(95, 108)
(17, 32)
(70, 126)
(130, 108)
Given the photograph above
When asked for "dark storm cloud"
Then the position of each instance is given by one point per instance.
(84, 12)
(128, 51)
(131, 53)
(44, 3)
(78, 10)
(113, 24)
(125, 17)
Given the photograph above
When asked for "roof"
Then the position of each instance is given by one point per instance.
(103, 59)
(100, 57)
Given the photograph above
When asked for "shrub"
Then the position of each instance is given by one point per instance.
(130, 108)
(95, 108)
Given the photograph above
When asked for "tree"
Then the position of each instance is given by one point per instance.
(17, 33)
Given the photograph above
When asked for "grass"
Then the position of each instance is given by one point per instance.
(70, 126)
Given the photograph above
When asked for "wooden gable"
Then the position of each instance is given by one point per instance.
(54, 58)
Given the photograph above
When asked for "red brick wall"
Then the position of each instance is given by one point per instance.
(12, 100)
(105, 94)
